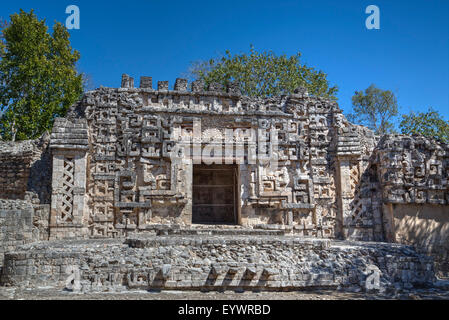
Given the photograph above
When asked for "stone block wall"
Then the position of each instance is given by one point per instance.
(16, 225)
(25, 185)
(25, 167)
(15, 163)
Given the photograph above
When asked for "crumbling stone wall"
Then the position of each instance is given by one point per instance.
(25, 184)
(15, 163)
(16, 226)
(25, 166)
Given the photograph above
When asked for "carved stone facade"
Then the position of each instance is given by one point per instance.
(135, 160)
(140, 175)
(124, 159)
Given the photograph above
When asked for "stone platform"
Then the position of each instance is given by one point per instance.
(211, 262)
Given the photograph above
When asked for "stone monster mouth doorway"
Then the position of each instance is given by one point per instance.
(215, 194)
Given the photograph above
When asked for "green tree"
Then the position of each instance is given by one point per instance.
(38, 78)
(263, 74)
(374, 108)
(430, 124)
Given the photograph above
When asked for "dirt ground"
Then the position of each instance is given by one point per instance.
(52, 294)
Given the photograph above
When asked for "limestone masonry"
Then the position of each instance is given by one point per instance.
(210, 189)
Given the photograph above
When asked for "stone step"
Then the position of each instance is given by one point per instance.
(222, 230)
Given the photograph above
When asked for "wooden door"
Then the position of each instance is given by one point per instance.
(214, 194)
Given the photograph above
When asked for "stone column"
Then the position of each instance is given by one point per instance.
(68, 215)
(345, 196)
(388, 222)
(348, 153)
(185, 187)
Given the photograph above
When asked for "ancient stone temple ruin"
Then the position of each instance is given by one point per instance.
(206, 188)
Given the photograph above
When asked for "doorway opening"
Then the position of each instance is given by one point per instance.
(215, 194)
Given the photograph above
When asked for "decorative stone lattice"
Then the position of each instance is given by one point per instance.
(67, 189)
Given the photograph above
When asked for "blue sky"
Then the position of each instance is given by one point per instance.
(408, 55)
